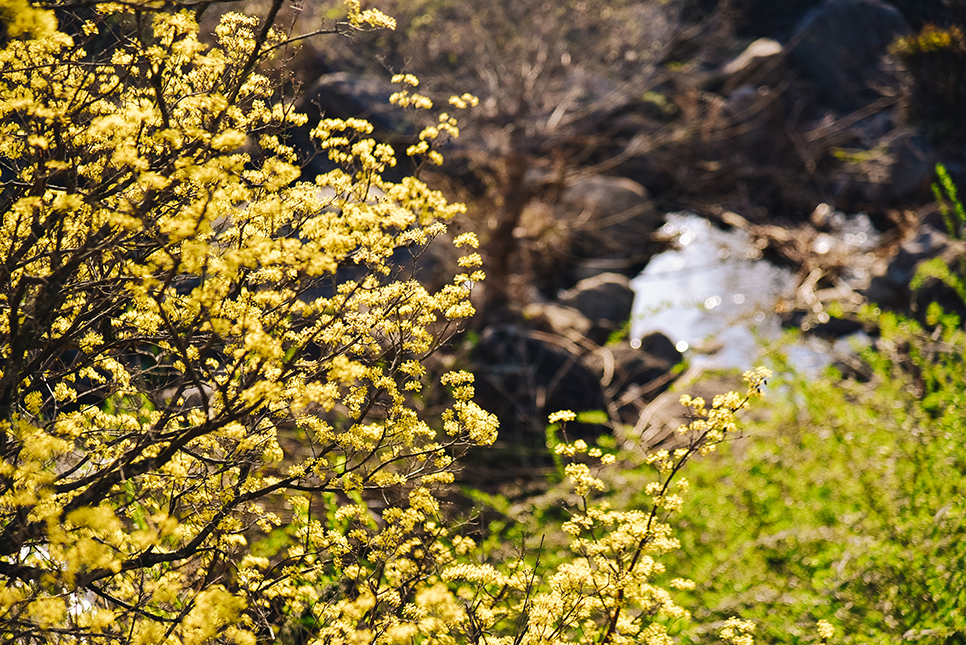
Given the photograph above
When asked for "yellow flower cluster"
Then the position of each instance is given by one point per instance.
(368, 18)
(709, 426)
(737, 632)
(189, 329)
(825, 630)
(562, 415)
(405, 98)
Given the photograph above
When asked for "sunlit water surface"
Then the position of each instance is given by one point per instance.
(715, 297)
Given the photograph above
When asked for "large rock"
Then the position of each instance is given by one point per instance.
(660, 346)
(552, 318)
(891, 169)
(770, 18)
(912, 169)
(606, 300)
(920, 13)
(521, 379)
(842, 48)
(622, 367)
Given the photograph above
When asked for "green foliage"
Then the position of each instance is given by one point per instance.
(619, 335)
(946, 194)
(858, 156)
(593, 417)
(846, 506)
(847, 503)
(955, 219)
(938, 269)
(553, 440)
(553, 431)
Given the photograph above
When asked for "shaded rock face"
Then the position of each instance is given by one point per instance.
(522, 379)
(778, 18)
(632, 377)
(553, 318)
(606, 300)
(913, 168)
(841, 47)
(893, 167)
(662, 347)
(634, 366)
(594, 225)
(919, 13)
(759, 120)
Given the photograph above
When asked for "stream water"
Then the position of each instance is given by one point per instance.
(715, 297)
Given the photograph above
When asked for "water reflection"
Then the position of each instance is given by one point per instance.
(713, 293)
(709, 293)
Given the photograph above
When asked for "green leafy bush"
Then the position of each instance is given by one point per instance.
(847, 504)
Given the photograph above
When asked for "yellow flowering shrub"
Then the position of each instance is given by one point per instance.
(210, 369)
(176, 305)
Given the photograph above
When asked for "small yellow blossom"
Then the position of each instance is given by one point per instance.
(737, 632)
(467, 239)
(825, 630)
(562, 416)
(464, 101)
(408, 79)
